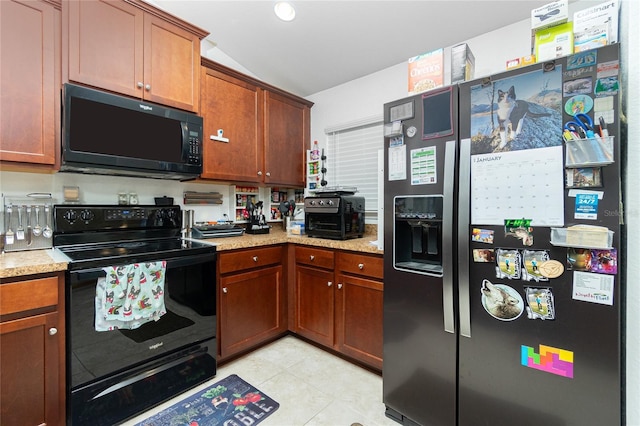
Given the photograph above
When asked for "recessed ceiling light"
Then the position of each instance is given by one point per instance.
(284, 11)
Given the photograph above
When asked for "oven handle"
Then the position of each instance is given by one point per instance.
(174, 262)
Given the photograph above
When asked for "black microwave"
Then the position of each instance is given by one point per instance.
(103, 133)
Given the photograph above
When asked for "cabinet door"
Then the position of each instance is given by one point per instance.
(251, 309)
(235, 107)
(171, 64)
(359, 318)
(29, 383)
(29, 81)
(106, 45)
(286, 139)
(314, 304)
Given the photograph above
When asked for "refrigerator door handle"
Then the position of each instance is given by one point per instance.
(447, 237)
(464, 197)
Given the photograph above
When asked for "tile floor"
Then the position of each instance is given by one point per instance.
(313, 387)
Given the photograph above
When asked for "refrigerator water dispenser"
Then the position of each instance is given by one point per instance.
(418, 234)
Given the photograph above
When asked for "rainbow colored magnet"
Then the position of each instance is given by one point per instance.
(550, 359)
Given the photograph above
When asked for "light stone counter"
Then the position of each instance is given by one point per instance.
(19, 263)
(15, 264)
(278, 236)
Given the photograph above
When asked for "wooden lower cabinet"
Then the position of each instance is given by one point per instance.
(339, 299)
(252, 299)
(315, 304)
(32, 352)
(359, 318)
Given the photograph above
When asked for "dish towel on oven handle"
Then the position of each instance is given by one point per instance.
(130, 295)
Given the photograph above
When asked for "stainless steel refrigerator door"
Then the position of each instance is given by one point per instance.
(495, 387)
(419, 367)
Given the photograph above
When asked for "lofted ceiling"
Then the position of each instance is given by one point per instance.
(333, 42)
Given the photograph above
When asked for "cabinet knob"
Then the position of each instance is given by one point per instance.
(339, 286)
(140, 85)
(255, 258)
(53, 331)
(360, 265)
(224, 290)
(312, 257)
(148, 87)
(259, 172)
(329, 284)
(268, 173)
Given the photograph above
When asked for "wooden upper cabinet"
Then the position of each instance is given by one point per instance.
(235, 107)
(29, 81)
(268, 130)
(287, 136)
(171, 64)
(129, 47)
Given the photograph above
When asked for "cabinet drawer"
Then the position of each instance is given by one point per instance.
(30, 294)
(361, 264)
(247, 259)
(315, 257)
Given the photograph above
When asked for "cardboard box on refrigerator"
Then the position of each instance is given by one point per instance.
(549, 15)
(426, 71)
(554, 42)
(596, 26)
(463, 63)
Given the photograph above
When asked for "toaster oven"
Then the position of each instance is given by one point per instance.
(334, 215)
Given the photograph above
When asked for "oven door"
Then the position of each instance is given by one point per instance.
(122, 372)
(324, 225)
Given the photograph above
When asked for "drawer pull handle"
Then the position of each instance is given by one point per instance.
(255, 258)
(329, 284)
(224, 290)
(312, 257)
(360, 265)
(53, 331)
(339, 286)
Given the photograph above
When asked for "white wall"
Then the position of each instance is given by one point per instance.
(364, 98)
(630, 34)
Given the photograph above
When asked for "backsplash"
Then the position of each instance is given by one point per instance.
(98, 189)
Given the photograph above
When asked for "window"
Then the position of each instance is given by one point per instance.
(352, 159)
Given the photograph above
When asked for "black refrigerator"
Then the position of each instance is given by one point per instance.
(504, 249)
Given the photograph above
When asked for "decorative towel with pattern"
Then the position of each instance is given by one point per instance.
(130, 295)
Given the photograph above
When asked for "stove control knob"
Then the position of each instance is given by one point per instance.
(330, 202)
(321, 202)
(312, 202)
(86, 215)
(70, 216)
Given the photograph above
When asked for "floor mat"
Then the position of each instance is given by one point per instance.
(167, 323)
(230, 401)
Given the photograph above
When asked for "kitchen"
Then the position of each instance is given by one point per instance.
(331, 106)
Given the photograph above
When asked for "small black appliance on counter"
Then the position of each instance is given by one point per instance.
(334, 214)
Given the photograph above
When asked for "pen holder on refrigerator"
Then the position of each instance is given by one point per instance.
(597, 151)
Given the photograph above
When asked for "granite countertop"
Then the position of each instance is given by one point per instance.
(19, 263)
(278, 236)
(22, 263)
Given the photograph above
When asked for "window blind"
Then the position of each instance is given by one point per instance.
(352, 160)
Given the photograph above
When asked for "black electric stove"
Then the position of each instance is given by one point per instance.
(98, 235)
(116, 371)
